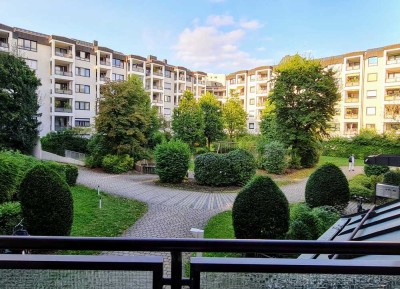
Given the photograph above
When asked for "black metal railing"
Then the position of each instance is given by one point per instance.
(199, 265)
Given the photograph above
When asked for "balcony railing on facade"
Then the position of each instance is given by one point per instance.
(121, 65)
(351, 115)
(240, 81)
(351, 131)
(63, 91)
(63, 54)
(63, 109)
(353, 83)
(4, 45)
(138, 69)
(105, 62)
(82, 58)
(157, 100)
(393, 79)
(262, 91)
(182, 78)
(353, 66)
(158, 73)
(393, 61)
(104, 78)
(262, 78)
(394, 96)
(63, 73)
(62, 127)
(352, 99)
(158, 87)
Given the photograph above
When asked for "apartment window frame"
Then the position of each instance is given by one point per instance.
(26, 44)
(334, 126)
(82, 105)
(82, 122)
(82, 88)
(252, 89)
(168, 74)
(167, 110)
(368, 110)
(29, 62)
(251, 125)
(252, 101)
(85, 57)
(370, 126)
(117, 63)
(118, 77)
(167, 98)
(369, 93)
(81, 71)
(375, 63)
(370, 77)
(167, 85)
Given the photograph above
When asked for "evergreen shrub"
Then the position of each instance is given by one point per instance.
(71, 174)
(327, 186)
(392, 178)
(10, 216)
(172, 161)
(117, 164)
(260, 211)
(58, 142)
(46, 202)
(375, 170)
(274, 158)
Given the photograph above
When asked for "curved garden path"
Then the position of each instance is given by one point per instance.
(172, 212)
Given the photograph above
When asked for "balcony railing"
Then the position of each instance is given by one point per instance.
(205, 272)
(353, 67)
(156, 101)
(262, 78)
(138, 69)
(392, 96)
(158, 87)
(61, 128)
(63, 109)
(4, 45)
(240, 81)
(63, 91)
(351, 116)
(262, 91)
(182, 78)
(63, 73)
(118, 65)
(104, 78)
(82, 58)
(352, 99)
(147, 87)
(158, 73)
(63, 54)
(393, 61)
(105, 62)
(353, 83)
(393, 79)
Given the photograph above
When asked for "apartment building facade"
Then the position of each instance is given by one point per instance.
(72, 72)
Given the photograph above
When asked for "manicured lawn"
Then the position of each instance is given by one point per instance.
(116, 215)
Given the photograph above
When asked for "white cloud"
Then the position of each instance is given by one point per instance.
(220, 20)
(252, 24)
(212, 49)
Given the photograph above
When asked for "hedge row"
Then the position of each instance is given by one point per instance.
(58, 142)
(234, 168)
(10, 215)
(13, 167)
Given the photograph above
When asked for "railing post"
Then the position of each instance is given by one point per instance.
(176, 270)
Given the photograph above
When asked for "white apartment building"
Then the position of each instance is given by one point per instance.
(72, 72)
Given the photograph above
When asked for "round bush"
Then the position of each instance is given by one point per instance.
(392, 178)
(212, 169)
(172, 161)
(374, 170)
(361, 191)
(327, 186)
(260, 211)
(274, 158)
(71, 174)
(117, 164)
(242, 166)
(46, 203)
(8, 179)
(361, 180)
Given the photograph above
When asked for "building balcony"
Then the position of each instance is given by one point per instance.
(104, 78)
(158, 87)
(63, 91)
(262, 78)
(392, 79)
(63, 73)
(352, 99)
(119, 65)
(157, 101)
(63, 109)
(262, 91)
(392, 60)
(239, 81)
(62, 128)
(105, 62)
(351, 116)
(353, 67)
(394, 96)
(353, 83)
(158, 73)
(138, 69)
(63, 54)
(4, 46)
(182, 78)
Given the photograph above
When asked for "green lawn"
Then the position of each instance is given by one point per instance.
(116, 215)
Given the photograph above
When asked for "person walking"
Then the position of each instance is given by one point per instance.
(351, 163)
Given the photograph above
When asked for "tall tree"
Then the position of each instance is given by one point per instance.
(234, 116)
(188, 121)
(126, 118)
(213, 125)
(18, 104)
(304, 97)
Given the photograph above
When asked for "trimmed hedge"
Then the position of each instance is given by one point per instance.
(58, 142)
(260, 211)
(274, 157)
(10, 216)
(327, 186)
(46, 202)
(172, 161)
(361, 191)
(117, 164)
(8, 179)
(234, 168)
(392, 178)
(375, 170)
(71, 174)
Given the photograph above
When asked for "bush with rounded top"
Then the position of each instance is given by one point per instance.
(71, 174)
(10, 215)
(172, 161)
(8, 179)
(117, 164)
(327, 186)
(260, 211)
(392, 178)
(274, 157)
(375, 170)
(242, 166)
(46, 203)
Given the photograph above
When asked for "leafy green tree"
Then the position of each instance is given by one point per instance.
(213, 125)
(234, 116)
(18, 104)
(268, 125)
(188, 121)
(126, 119)
(304, 97)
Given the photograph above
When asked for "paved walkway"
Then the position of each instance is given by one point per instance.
(172, 212)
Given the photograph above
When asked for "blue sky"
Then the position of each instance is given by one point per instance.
(218, 36)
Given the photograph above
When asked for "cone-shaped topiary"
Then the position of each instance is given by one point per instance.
(260, 211)
(327, 186)
(46, 203)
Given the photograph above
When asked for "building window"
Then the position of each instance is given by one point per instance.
(167, 98)
(232, 81)
(252, 101)
(117, 77)
(167, 85)
(167, 111)
(82, 122)
(373, 61)
(118, 63)
(251, 113)
(370, 126)
(167, 73)
(252, 89)
(81, 88)
(82, 55)
(27, 44)
(371, 93)
(372, 76)
(85, 72)
(31, 63)
(371, 110)
(252, 77)
(335, 126)
(251, 125)
(82, 105)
